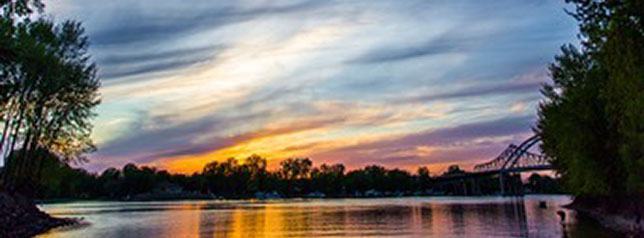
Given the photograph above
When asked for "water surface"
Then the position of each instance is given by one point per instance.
(379, 217)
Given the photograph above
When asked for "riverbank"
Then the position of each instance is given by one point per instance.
(621, 215)
(19, 217)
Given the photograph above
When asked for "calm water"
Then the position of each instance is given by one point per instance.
(384, 217)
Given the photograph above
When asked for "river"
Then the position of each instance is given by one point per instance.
(377, 217)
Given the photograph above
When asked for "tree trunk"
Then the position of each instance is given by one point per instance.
(5, 128)
(14, 137)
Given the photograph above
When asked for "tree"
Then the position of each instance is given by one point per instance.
(138, 180)
(542, 184)
(591, 121)
(328, 179)
(373, 177)
(295, 168)
(13, 12)
(424, 178)
(295, 171)
(453, 170)
(255, 166)
(110, 182)
(49, 88)
(399, 181)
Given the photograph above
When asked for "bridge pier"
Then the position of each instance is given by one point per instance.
(464, 186)
(476, 187)
(510, 184)
(465, 191)
(502, 183)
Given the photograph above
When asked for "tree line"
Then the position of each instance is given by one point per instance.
(250, 178)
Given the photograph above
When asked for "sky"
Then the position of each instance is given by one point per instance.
(395, 83)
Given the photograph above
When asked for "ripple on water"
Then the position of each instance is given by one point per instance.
(382, 217)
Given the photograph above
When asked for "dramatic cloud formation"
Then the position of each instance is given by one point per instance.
(397, 83)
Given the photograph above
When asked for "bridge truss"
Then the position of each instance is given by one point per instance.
(516, 158)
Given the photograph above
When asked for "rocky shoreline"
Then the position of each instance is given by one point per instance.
(20, 217)
(625, 221)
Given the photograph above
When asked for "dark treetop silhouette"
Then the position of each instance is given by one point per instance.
(296, 177)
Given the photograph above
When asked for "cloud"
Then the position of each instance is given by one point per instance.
(117, 66)
(137, 26)
(467, 132)
(358, 82)
(462, 143)
(147, 38)
(434, 47)
(528, 84)
(479, 91)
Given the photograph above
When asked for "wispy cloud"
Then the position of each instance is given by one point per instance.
(400, 83)
(462, 144)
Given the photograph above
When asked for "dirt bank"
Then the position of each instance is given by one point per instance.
(19, 217)
(622, 215)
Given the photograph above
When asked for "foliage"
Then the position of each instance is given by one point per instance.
(295, 168)
(328, 179)
(453, 170)
(425, 180)
(230, 179)
(48, 91)
(542, 184)
(591, 122)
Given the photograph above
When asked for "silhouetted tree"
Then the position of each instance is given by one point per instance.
(255, 166)
(399, 181)
(49, 88)
(110, 182)
(591, 122)
(295, 168)
(542, 184)
(328, 179)
(225, 178)
(453, 170)
(295, 171)
(230, 179)
(424, 179)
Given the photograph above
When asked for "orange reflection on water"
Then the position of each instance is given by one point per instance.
(310, 219)
(401, 217)
(183, 219)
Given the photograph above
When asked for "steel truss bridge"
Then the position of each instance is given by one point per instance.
(514, 159)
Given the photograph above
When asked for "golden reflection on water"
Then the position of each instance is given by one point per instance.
(304, 220)
(402, 217)
(189, 220)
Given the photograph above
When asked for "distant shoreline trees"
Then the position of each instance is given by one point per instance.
(48, 90)
(250, 178)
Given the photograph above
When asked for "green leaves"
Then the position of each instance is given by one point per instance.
(49, 87)
(19, 10)
(592, 121)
